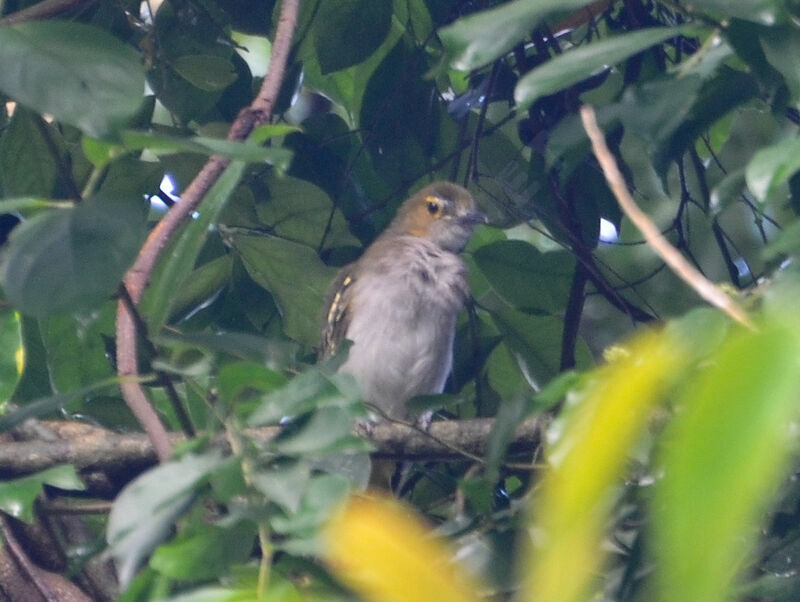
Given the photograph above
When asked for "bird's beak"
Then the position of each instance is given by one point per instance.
(473, 218)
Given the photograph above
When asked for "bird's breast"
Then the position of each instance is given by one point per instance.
(402, 325)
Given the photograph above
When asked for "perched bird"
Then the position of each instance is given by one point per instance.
(399, 301)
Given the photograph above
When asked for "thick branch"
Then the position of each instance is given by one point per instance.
(97, 449)
(259, 112)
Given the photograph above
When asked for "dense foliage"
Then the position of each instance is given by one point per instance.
(668, 467)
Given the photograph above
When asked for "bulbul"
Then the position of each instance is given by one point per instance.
(399, 301)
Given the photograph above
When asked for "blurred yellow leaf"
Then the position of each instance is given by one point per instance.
(586, 462)
(382, 551)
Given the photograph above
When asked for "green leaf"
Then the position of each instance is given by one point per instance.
(128, 176)
(479, 492)
(17, 496)
(275, 354)
(400, 145)
(249, 151)
(346, 87)
(535, 343)
(279, 590)
(204, 552)
(13, 356)
(706, 328)
(307, 391)
(524, 277)
(509, 415)
(71, 259)
(346, 32)
(294, 275)
(782, 49)
(272, 155)
(76, 350)
(787, 242)
(728, 190)
(733, 434)
(35, 380)
(575, 65)
(772, 166)
(239, 377)
(27, 166)
(77, 73)
(323, 495)
(178, 260)
(201, 287)
(504, 372)
(765, 12)
(300, 211)
(480, 38)
(31, 203)
(321, 431)
(284, 484)
(271, 130)
(419, 404)
(144, 511)
(554, 392)
(728, 88)
(205, 71)
(351, 460)
(47, 405)
(655, 109)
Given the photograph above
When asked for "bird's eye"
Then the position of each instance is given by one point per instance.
(434, 206)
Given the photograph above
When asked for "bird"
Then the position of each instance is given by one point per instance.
(399, 301)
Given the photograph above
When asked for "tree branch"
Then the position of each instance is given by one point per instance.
(92, 448)
(137, 278)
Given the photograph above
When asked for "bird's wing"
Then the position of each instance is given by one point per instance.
(337, 316)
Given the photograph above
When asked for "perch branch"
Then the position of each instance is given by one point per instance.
(92, 448)
(137, 278)
(671, 256)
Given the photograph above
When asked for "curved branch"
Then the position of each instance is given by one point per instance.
(671, 256)
(137, 278)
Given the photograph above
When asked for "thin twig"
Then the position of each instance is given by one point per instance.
(137, 278)
(671, 256)
(237, 449)
(57, 507)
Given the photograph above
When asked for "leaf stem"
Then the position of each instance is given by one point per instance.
(264, 565)
(93, 182)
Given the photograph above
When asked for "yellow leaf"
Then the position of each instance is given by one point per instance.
(587, 461)
(381, 550)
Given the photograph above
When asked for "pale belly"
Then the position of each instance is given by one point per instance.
(398, 353)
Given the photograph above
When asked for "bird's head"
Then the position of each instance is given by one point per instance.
(442, 212)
